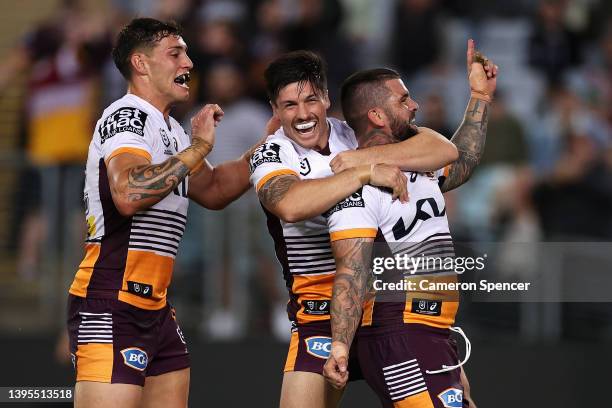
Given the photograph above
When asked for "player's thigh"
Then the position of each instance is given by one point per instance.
(90, 394)
(308, 390)
(169, 390)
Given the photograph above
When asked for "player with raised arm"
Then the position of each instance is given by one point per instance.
(403, 347)
(292, 175)
(142, 169)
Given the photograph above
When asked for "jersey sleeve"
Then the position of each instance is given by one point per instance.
(442, 174)
(126, 131)
(273, 158)
(356, 216)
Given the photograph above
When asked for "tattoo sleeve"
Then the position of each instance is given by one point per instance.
(470, 141)
(275, 189)
(350, 286)
(155, 180)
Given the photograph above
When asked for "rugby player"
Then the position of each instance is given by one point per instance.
(403, 345)
(292, 175)
(142, 169)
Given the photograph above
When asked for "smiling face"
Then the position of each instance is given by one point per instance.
(167, 68)
(303, 114)
(401, 110)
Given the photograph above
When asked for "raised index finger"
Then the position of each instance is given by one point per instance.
(470, 54)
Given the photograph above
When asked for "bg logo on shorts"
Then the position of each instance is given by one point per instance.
(451, 398)
(135, 358)
(318, 346)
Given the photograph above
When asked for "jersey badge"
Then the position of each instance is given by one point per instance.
(316, 307)
(166, 140)
(451, 398)
(318, 346)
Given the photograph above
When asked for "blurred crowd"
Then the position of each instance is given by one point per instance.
(546, 174)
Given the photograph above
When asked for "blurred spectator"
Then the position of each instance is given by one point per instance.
(62, 59)
(497, 195)
(575, 202)
(434, 116)
(416, 35)
(553, 48)
(317, 27)
(506, 139)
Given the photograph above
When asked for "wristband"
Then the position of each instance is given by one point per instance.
(481, 95)
(193, 156)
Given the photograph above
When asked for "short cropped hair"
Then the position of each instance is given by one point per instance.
(140, 33)
(363, 91)
(296, 66)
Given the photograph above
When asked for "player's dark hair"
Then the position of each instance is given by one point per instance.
(140, 33)
(363, 91)
(297, 66)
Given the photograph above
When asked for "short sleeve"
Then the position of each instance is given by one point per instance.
(356, 216)
(442, 174)
(125, 131)
(271, 159)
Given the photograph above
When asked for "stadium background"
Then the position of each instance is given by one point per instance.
(545, 176)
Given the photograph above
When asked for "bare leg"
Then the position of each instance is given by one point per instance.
(308, 390)
(169, 390)
(90, 394)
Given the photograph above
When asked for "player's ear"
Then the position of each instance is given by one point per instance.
(139, 63)
(376, 117)
(326, 100)
(273, 106)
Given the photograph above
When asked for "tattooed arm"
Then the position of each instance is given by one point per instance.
(293, 200)
(351, 285)
(471, 135)
(470, 141)
(136, 184)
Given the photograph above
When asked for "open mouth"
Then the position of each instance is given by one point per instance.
(305, 127)
(182, 80)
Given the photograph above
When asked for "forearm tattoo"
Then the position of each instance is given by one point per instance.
(155, 180)
(470, 141)
(350, 286)
(275, 189)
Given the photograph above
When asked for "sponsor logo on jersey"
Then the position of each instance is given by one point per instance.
(426, 208)
(354, 200)
(140, 289)
(427, 307)
(318, 346)
(135, 358)
(316, 307)
(305, 167)
(122, 120)
(451, 398)
(266, 153)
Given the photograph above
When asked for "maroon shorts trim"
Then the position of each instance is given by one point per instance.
(114, 342)
(394, 360)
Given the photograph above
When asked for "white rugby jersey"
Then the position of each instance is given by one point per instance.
(302, 248)
(417, 229)
(131, 258)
